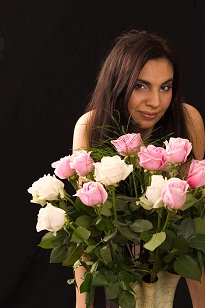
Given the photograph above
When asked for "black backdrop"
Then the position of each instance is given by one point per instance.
(50, 51)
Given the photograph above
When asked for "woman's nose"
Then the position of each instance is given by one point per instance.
(153, 100)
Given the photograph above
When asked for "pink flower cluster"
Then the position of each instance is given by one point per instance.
(79, 163)
(111, 170)
(154, 158)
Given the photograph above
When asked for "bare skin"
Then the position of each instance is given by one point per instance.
(147, 104)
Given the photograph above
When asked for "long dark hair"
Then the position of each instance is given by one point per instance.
(117, 79)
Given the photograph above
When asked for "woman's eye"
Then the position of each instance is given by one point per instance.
(140, 86)
(165, 87)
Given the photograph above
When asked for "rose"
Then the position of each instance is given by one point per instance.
(152, 158)
(174, 193)
(111, 170)
(196, 174)
(92, 194)
(154, 191)
(128, 144)
(47, 188)
(62, 167)
(177, 150)
(152, 198)
(82, 162)
(51, 218)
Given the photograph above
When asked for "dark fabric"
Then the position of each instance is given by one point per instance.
(50, 52)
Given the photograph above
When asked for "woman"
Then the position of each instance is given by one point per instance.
(140, 84)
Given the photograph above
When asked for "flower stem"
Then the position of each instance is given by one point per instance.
(166, 221)
(155, 266)
(135, 186)
(79, 235)
(71, 201)
(114, 203)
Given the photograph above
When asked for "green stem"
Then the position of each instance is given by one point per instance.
(196, 191)
(135, 186)
(71, 201)
(166, 221)
(159, 222)
(114, 203)
(157, 254)
(155, 266)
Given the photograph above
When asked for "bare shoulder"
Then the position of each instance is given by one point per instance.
(80, 131)
(195, 126)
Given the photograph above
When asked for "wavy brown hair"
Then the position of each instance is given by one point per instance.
(117, 79)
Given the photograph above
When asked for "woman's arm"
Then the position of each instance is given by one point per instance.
(195, 127)
(80, 132)
(196, 131)
(80, 142)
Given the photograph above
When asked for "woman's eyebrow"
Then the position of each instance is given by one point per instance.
(148, 83)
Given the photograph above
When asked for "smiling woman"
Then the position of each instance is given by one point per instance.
(139, 90)
(152, 95)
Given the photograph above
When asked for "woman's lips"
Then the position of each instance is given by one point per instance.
(148, 115)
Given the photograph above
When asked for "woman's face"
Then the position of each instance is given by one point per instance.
(152, 94)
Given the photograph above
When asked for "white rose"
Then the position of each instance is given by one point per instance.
(50, 218)
(154, 192)
(47, 188)
(111, 170)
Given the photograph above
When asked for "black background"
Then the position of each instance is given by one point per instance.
(50, 52)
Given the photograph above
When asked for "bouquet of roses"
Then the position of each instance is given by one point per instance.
(131, 217)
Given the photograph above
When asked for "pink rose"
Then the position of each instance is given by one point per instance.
(62, 167)
(174, 193)
(92, 193)
(177, 150)
(196, 175)
(128, 144)
(152, 158)
(82, 162)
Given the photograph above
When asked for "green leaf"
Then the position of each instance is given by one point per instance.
(73, 254)
(106, 254)
(145, 236)
(86, 284)
(112, 291)
(121, 205)
(199, 225)
(106, 209)
(169, 257)
(104, 224)
(197, 241)
(49, 240)
(141, 225)
(99, 280)
(190, 201)
(167, 244)
(186, 228)
(111, 276)
(58, 254)
(110, 235)
(90, 297)
(46, 241)
(128, 234)
(63, 206)
(84, 221)
(125, 276)
(156, 240)
(181, 245)
(90, 248)
(127, 299)
(187, 267)
(80, 234)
